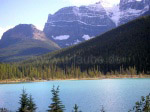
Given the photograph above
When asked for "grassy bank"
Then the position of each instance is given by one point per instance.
(11, 81)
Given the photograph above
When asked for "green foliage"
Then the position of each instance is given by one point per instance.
(4, 110)
(102, 110)
(26, 103)
(25, 49)
(56, 105)
(143, 105)
(31, 105)
(23, 102)
(76, 108)
(52, 71)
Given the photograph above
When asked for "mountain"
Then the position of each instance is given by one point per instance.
(24, 41)
(123, 51)
(126, 46)
(128, 10)
(132, 9)
(72, 25)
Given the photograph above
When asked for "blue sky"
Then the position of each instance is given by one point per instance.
(14, 12)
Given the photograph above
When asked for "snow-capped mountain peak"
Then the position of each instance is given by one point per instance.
(127, 10)
(96, 7)
(71, 25)
(108, 3)
(77, 23)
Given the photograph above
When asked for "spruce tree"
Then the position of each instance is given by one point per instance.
(56, 105)
(4, 110)
(76, 108)
(31, 105)
(143, 105)
(102, 110)
(23, 102)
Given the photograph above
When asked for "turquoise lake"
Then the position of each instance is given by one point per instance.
(116, 95)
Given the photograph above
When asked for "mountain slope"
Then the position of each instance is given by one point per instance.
(24, 41)
(127, 45)
(147, 13)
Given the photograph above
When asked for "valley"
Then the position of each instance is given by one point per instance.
(98, 53)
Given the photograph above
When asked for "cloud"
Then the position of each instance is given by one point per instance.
(87, 2)
(4, 29)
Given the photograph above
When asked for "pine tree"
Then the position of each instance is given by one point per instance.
(4, 110)
(23, 102)
(102, 110)
(31, 105)
(143, 105)
(76, 108)
(56, 105)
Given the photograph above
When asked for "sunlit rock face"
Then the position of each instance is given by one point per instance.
(73, 23)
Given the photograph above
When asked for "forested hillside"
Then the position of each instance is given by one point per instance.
(124, 50)
(127, 46)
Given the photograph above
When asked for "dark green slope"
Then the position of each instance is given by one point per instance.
(24, 50)
(126, 46)
(23, 42)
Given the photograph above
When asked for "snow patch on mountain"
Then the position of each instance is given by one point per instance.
(80, 22)
(61, 37)
(114, 13)
(76, 11)
(86, 37)
(109, 3)
(117, 15)
(133, 12)
(96, 7)
(136, 12)
(133, 1)
(77, 41)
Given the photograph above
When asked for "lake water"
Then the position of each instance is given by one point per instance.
(116, 95)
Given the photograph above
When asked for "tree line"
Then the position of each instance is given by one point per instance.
(52, 71)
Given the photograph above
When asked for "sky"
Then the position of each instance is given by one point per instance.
(14, 12)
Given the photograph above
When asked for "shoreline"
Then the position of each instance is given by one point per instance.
(26, 80)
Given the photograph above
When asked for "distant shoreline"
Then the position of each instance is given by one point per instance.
(25, 80)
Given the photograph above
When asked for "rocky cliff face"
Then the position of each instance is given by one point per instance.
(131, 9)
(71, 25)
(22, 32)
(24, 41)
